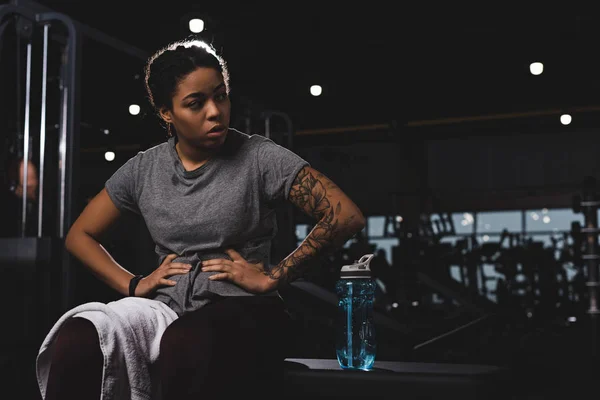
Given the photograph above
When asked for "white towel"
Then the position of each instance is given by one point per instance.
(129, 330)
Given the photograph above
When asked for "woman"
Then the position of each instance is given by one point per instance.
(208, 196)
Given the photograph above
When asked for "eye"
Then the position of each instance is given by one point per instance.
(221, 96)
(195, 104)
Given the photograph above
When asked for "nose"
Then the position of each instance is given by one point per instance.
(212, 110)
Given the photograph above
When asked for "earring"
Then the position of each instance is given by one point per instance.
(169, 133)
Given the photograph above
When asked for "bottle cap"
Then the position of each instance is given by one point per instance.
(360, 269)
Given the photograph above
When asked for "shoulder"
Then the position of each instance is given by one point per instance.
(156, 150)
(240, 141)
(237, 136)
(150, 154)
(259, 142)
(255, 146)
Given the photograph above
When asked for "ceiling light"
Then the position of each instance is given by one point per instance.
(134, 109)
(536, 68)
(316, 90)
(565, 119)
(196, 25)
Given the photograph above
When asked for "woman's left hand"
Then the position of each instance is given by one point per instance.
(251, 277)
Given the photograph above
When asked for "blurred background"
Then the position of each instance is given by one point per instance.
(468, 138)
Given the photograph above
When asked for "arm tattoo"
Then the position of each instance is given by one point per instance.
(310, 195)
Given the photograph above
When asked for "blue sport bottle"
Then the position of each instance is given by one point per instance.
(355, 336)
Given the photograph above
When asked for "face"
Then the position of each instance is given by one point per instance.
(201, 109)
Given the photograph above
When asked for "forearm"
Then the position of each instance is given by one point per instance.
(329, 234)
(95, 257)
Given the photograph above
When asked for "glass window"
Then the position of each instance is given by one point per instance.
(545, 220)
(463, 222)
(497, 221)
(301, 232)
(485, 238)
(375, 226)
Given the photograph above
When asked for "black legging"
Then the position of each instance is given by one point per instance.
(76, 370)
(231, 347)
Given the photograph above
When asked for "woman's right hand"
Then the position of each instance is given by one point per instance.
(158, 278)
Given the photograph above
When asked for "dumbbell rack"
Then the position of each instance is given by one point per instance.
(588, 204)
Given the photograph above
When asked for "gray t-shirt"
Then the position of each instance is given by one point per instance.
(229, 201)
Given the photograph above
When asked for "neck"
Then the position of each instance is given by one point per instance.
(192, 157)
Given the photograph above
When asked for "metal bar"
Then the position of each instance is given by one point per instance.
(43, 132)
(345, 129)
(26, 141)
(589, 203)
(589, 230)
(68, 142)
(9, 9)
(590, 213)
(446, 334)
(591, 226)
(3, 26)
(67, 120)
(248, 124)
(62, 155)
(268, 126)
(290, 133)
(452, 120)
(99, 36)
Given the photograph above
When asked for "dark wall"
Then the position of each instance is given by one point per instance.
(512, 161)
(466, 171)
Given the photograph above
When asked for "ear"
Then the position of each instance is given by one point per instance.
(165, 114)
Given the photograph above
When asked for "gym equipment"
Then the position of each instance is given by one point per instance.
(588, 204)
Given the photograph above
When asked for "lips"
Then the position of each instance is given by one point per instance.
(217, 128)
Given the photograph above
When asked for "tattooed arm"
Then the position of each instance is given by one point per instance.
(338, 219)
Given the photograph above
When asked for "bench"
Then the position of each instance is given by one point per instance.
(307, 378)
